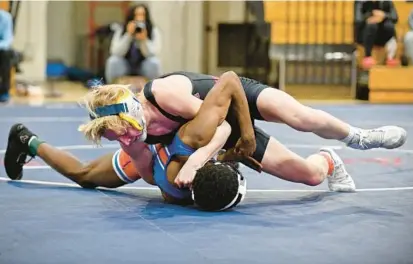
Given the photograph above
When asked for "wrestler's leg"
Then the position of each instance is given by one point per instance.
(325, 164)
(281, 162)
(277, 106)
(23, 142)
(97, 173)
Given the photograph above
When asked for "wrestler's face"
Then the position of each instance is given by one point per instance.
(130, 136)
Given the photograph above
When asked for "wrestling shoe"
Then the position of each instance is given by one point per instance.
(388, 137)
(340, 180)
(17, 151)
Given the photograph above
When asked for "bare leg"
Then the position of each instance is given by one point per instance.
(94, 174)
(287, 165)
(289, 111)
(277, 106)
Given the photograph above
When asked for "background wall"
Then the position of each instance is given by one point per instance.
(31, 37)
(181, 24)
(56, 29)
(219, 12)
(61, 31)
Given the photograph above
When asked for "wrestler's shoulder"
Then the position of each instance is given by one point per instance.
(171, 84)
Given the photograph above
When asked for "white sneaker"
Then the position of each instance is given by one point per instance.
(339, 180)
(388, 137)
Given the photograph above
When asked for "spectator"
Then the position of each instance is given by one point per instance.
(408, 39)
(375, 22)
(134, 47)
(6, 39)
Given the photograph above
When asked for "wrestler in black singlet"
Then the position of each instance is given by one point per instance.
(202, 84)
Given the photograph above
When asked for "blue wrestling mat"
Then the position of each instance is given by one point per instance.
(45, 219)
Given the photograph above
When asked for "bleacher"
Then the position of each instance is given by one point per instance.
(310, 22)
(316, 39)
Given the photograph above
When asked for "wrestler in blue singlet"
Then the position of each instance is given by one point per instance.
(162, 157)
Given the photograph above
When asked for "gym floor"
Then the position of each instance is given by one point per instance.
(47, 219)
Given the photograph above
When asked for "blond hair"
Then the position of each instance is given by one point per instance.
(101, 96)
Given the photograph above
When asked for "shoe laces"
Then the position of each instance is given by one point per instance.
(22, 159)
(371, 138)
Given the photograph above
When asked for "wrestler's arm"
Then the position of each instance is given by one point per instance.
(177, 165)
(142, 158)
(205, 151)
(207, 132)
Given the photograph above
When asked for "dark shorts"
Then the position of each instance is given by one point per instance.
(252, 90)
(261, 138)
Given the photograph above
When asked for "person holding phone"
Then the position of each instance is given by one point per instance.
(135, 47)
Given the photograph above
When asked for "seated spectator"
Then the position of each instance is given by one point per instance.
(6, 39)
(408, 39)
(375, 22)
(134, 48)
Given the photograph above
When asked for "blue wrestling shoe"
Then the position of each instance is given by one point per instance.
(17, 151)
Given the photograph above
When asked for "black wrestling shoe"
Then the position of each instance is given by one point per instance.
(17, 151)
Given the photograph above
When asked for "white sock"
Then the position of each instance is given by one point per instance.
(351, 135)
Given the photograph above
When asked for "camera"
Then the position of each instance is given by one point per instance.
(139, 26)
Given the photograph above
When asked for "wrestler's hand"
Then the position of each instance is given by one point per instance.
(231, 155)
(185, 177)
(246, 145)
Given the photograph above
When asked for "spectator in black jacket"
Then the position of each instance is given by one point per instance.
(375, 25)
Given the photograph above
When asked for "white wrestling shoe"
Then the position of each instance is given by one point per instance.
(388, 137)
(340, 180)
